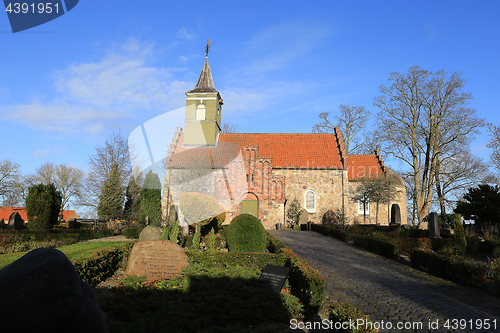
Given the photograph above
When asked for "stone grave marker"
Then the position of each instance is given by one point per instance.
(157, 260)
(304, 217)
(15, 222)
(434, 225)
(273, 277)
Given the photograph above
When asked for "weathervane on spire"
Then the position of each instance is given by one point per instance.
(207, 48)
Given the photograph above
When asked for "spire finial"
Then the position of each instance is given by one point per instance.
(207, 48)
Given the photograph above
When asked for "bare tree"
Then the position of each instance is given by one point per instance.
(227, 128)
(494, 144)
(114, 151)
(421, 115)
(10, 174)
(67, 179)
(456, 173)
(351, 120)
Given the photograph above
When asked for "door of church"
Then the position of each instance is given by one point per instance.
(250, 207)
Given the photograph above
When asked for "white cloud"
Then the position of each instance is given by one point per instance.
(184, 33)
(92, 96)
(41, 152)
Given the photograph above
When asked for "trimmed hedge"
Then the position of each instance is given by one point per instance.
(449, 268)
(132, 232)
(101, 264)
(274, 245)
(346, 313)
(378, 246)
(306, 283)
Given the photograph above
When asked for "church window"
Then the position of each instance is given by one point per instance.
(200, 112)
(366, 208)
(310, 201)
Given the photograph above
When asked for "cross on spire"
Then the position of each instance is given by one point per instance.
(207, 48)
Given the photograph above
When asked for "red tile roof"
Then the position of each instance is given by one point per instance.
(363, 166)
(5, 213)
(291, 150)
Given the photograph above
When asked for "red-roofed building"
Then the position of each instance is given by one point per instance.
(6, 212)
(261, 173)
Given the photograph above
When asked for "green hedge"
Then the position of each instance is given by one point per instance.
(344, 314)
(273, 244)
(449, 268)
(132, 232)
(378, 246)
(306, 283)
(101, 264)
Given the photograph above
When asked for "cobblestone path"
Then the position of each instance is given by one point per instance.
(389, 291)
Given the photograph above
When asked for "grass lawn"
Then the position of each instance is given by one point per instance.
(73, 252)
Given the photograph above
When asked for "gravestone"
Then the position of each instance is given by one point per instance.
(157, 260)
(15, 222)
(150, 233)
(304, 217)
(433, 221)
(273, 277)
(41, 292)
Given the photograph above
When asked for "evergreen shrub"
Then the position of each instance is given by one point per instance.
(449, 268)
(42, 206)
(378, 246)
(459, 240)
(345, 313)
(132, 232)
(246, 234)
(101, 264)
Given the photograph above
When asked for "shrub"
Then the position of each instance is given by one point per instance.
(459, 241)
(345, 313)
(408, 244)
(306, 282)
(101, 264)
(449, 268)
(132, 232)
(2, 224)
(378, 246)
(174, 232)
(274, 245)
(196, 239)
(212, 246)
(246, 234)
(42, 206)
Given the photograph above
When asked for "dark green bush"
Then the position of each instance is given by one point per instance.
(274, 245)
(306, 283)
(42, 206)
(246, 234)
(449, 268)
(408, 244)
(345, 313)
(132, 232)
(101, 264)
(378, 246)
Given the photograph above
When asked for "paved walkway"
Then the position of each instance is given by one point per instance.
(390, 292)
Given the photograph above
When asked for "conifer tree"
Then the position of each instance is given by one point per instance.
(131, 210)
(151, 199)
(111, 197)
(43, 204)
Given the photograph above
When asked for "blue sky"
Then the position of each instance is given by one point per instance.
(109, 66)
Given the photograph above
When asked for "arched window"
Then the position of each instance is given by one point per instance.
(363, 207)
(310, 201)
(200, 112)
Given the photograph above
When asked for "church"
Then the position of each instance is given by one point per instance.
(262, 173)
